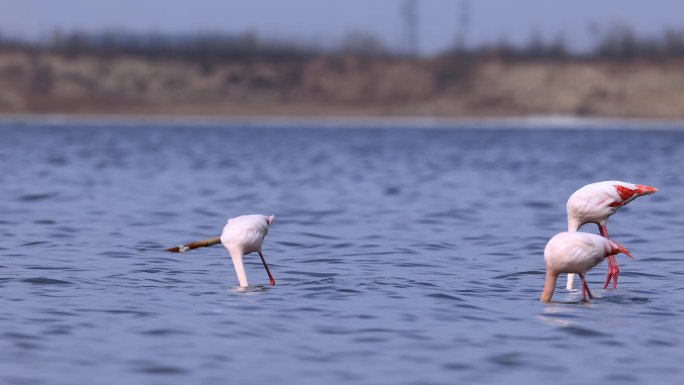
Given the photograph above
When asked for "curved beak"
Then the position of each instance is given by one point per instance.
(645, 190)
(618, 248)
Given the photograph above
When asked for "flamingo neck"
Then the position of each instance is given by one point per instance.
(549, 286)
(239, 269)
(573, 225)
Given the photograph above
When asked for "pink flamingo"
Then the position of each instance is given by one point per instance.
(595, 203)
(243, 235)
(573, 252)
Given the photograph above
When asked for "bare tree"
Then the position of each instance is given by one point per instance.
(362, 43)
(463, 24)
(409, 13)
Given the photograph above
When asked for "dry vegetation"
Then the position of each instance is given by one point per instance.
(307, 84)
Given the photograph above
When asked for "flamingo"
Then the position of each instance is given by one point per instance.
(595, 203)
(243, 235)
(574, 252)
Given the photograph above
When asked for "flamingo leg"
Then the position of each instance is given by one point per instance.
(613, 272)
(271, 281)
(613, 269)
(585, 289)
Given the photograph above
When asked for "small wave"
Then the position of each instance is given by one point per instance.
(415, 265)
(45, 222)
(436, 246)
(512, 359)
(163, 214)
(660, 259)
(20, 336)
(624, 299)
(658, 314)
(60, 313)
(342, 245)
(37, 197)
(311, 274)
(116, 254)
(349, 291)
(519, 273)
(138, 313)
(539, 204)
(148, 245)
(33, 243)
(457, 366)
(162, 369)
(392, 191)
(325, 260)
(661, 343)
(640, 274)
(582, 331)
(150, 271)
(445, 296)
(51, 268)
(321, 236)
(45, 281)
(300, 244)
(330, 330)
(163, 332)
(370, 339)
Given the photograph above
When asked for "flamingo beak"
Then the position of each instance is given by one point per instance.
(645, 190)
(618, 248)
(626, 252)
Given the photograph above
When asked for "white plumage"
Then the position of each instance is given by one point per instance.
(243, 235)
(573, 252)
(595, 203)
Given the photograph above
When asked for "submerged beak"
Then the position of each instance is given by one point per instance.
(645, 190)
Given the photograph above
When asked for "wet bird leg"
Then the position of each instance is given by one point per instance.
(585, 289)
(613, 269)
(270, 277)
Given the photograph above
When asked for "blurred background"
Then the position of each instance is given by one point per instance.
(434, 58)
(403, 256)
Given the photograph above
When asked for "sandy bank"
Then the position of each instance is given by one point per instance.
(342, 87)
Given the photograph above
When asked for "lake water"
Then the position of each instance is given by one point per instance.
(403, 254)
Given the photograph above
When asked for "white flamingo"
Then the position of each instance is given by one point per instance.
(574, 252)
(595, 203)
(243, 235)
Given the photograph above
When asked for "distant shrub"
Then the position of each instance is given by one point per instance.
(616, 42)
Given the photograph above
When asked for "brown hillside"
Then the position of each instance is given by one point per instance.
(345, 86)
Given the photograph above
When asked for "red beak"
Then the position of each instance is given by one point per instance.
(645, 190)
(618, 248)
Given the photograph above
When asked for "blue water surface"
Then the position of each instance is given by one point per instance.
(402, 254)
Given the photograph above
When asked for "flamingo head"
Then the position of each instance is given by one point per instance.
(628, 194)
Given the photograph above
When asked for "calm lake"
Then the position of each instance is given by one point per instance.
(403, 253)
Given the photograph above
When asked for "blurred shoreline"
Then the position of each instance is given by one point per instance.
(542, 122)
(219, 78)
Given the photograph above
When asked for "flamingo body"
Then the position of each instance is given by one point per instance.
(574, 252)
(244, 235)
(595, 203)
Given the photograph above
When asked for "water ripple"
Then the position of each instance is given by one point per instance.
(46, 281)
(410, 256)
(37, 197)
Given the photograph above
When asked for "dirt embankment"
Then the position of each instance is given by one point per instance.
(347, 86)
